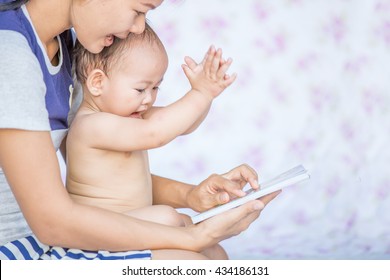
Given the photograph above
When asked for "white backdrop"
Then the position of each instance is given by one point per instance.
(312, 88)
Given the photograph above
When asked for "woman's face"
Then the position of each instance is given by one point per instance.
(97, 22)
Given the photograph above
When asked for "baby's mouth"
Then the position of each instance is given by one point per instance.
(136, 115)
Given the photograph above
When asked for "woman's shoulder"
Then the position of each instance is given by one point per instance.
(18, 62)
(22, 90)
(14, 49)
(12, 38)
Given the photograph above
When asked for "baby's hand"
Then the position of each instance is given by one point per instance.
(209, 77)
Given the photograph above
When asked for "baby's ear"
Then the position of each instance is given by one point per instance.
(95, 81)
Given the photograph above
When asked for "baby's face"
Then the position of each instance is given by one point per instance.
(133, 87)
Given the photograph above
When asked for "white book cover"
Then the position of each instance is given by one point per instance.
(288, 178)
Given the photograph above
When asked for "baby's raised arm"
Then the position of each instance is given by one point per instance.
(161, 125)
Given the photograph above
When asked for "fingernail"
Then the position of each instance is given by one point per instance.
(258, 206)
(224, 197)
(242, 193)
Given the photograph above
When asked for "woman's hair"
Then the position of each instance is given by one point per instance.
(86, 61)
(12, 5)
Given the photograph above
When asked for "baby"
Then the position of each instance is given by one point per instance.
(107, 160)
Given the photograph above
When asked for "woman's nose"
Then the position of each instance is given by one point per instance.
(138, 26)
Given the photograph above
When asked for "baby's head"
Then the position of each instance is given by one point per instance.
(125, 76)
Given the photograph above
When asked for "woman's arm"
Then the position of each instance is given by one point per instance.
(170, 192)
(215, 190)
(30, 163)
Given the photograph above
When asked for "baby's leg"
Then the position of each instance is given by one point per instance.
(171, 254)
(167, 215)
(161, 214)
(216, 252)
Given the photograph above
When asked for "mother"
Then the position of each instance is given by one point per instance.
(35, 87)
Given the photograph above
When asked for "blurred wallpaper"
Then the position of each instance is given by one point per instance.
(313, 88)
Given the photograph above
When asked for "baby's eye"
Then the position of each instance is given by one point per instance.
(156, 88)
(139, 13)
(140, 90)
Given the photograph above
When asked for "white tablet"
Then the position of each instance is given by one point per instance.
(288, 178)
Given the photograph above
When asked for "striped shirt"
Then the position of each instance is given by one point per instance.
(30, 248)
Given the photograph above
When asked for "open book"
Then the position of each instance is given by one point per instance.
(288, 178)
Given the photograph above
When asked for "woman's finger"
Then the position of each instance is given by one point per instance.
(243, 216)
(233, 188)
(243, 173)
(269, 197)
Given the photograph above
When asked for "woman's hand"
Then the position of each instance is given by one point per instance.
(219, 189)
(229, 223)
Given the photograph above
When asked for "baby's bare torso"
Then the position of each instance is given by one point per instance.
(117, 181)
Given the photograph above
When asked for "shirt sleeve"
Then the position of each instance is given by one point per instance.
(22, 88)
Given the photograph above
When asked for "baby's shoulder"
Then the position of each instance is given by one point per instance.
(82, 124)
(87, 123)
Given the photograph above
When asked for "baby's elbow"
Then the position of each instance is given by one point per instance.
(158, 142)
(188, 131)
(158, 138)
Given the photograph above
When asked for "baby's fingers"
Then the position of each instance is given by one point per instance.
(223, 68)
(229, 79)
(215, 65)
(205, 57)
(190, 62)
(208, 60)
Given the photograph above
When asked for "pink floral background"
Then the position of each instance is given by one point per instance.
(313, 88)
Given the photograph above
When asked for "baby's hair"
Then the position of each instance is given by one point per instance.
(12, 5)
(86, 61)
